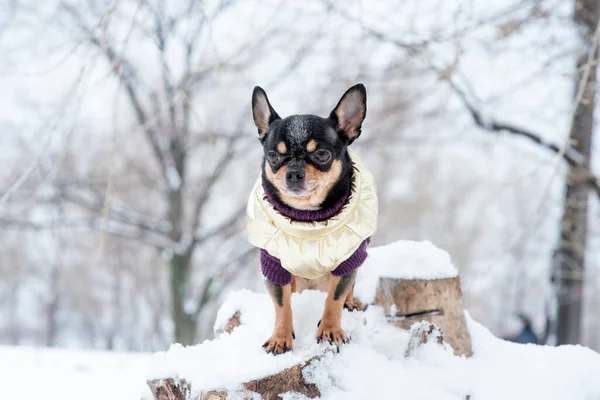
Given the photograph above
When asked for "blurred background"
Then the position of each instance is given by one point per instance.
(128, 151)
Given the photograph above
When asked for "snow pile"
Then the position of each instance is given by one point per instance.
(373, 365)
(239, 357)
(28, 373)
(403, 259)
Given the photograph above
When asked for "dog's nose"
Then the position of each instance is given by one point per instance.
(294, 175)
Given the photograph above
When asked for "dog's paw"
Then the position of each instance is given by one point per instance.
(279, 343)
(333, 334)
(353, 304)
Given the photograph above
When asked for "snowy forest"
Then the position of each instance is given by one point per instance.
(128, 152)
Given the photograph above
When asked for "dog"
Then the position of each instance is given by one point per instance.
(312, 211)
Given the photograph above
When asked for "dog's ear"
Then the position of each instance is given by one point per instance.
(262, 112)
(350, 112)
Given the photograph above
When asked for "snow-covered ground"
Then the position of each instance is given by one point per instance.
(373, 365)
(28, 373)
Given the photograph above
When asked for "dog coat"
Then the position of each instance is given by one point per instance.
(311, 249)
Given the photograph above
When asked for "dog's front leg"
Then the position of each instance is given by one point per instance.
(330, 325)
(283, 333)
(352, 303)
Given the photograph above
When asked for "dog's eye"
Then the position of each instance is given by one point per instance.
(273, 157)
(322, 156)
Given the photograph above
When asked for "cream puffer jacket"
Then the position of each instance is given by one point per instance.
(313, 249)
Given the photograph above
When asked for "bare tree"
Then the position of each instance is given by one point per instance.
(164, 115)
(150, 186)
(157, 186)
(569, 257)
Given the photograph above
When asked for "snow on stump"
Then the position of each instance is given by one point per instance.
(413, 282)
(374, 365)
(422, 333)
(234, 364)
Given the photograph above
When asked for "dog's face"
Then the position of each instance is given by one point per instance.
(305, 155)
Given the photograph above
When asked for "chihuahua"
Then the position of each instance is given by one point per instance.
(312, 211)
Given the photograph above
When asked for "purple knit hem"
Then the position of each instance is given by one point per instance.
(354, 261)
(272, 269)
(305, 215)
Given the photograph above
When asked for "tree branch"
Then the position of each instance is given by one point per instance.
(91, 223)
(571, 156)
(124, 71)
(121, 215)
(228, 223)
(214, 284)
(161, 42)
(218, 171)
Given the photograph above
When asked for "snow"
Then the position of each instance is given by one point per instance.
(373, 365)
(244, 348)
(412, 260)
(434, 335)
(28, 373)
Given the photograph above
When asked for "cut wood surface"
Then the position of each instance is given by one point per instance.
(438, 301)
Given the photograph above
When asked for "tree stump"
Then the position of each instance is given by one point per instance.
(270, 387)
(438, 301)
(405, 302)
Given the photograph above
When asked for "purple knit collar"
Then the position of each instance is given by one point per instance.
(305, 215)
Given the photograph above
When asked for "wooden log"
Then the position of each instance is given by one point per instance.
(438, 301)
(170, 389)
(288, 380)
(270, 387)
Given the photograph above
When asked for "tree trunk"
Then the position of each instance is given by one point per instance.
(53, 306)
(184, 321)
(569, 260)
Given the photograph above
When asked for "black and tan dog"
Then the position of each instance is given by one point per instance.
(312, 211)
